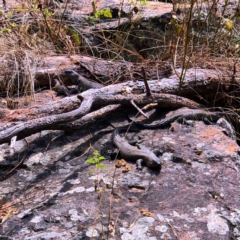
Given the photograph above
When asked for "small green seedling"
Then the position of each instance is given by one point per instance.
(96, 159)
(91, 20)
(47, 12)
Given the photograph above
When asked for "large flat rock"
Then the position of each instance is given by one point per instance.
(194, 196)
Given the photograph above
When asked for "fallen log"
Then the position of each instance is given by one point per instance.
(94, 102)
(91, 99)
(111, 71)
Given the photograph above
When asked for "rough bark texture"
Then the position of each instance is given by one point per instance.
(196, 81)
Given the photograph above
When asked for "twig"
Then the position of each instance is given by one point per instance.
(62, 16)
(111, 198)
(57, 137)
(139, 110)
(174, 232)
(146, 83)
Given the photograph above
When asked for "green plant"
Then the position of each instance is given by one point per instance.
(96, 159)
(103, 13)
(91, 20)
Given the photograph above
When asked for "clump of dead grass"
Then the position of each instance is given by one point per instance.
(194, 30)
(28, 33)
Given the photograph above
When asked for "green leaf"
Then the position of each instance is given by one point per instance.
(12, 24)
(96, 153)
(91, 160)
(91, 20)
(47, 12)
(97, 14)
(100, 166)
(6, 30)
(76, 39)
(101, 158)
(107, 13)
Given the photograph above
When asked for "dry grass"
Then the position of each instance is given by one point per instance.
(196, 35)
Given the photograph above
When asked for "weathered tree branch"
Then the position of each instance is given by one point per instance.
(106, 100)
(90, 118)
(92, 98)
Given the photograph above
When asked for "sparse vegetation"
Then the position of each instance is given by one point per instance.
(196, 34)
(100, 190)
(96, 159)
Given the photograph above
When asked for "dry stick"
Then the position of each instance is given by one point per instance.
(146, 83)
(167, 100)
(62, 16)
(90, 118)
(110, 204)
(50, 32)
(35, 125)
(139, 110)
(186, 43)
(174, 232)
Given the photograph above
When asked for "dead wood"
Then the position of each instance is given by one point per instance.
(91, 118)
(37, 111)
(102, 70)
(107, 72)
(91, 98)
(99, 103)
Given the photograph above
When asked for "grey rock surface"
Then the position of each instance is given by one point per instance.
(60, 196)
